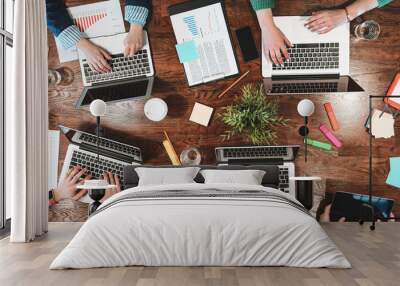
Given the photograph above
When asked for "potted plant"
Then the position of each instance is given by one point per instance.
(253, 116)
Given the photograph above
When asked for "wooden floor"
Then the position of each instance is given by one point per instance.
(375, 257)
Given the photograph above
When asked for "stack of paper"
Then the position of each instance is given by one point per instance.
(393, 178)
(382, 124)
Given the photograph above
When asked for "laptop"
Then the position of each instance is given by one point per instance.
(319, 63)
(283, 156)
(131, 77)
(113, 155)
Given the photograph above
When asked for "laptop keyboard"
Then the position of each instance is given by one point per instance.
(311, 56)
(304, 87)
(111, 145)
(122, 67)
(89, 162)
(283, 179)
(255, 152)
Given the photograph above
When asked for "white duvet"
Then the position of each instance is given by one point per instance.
(206, 231)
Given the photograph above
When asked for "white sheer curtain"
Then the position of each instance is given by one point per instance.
(27, 123)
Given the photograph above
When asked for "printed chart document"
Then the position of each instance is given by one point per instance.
(94, 20)
(203, 44)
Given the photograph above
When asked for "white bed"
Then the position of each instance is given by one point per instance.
(267, 229)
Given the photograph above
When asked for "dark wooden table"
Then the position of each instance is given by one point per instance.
(373, 65)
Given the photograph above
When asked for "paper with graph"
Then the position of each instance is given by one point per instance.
(94, 20)
(205, 26)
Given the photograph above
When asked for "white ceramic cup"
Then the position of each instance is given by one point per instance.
(156, 109)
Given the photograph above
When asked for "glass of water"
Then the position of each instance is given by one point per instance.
(190, 156)
(367, 30)
(54, 77)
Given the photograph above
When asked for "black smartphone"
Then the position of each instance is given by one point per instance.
(247, 44)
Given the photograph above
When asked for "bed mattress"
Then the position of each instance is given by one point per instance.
(201, 225)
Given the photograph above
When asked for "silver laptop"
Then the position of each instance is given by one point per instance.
(319, 63)
(82, 151)
(281, 156)
(123, 68)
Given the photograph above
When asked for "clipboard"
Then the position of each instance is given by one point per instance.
(394, 89)
(189, 6)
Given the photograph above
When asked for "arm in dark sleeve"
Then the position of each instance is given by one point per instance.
(58, 18)
(61, 25)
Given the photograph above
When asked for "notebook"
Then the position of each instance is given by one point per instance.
(204, 45)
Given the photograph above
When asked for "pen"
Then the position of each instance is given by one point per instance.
(233, 84)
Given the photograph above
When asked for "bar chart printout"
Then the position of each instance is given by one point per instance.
(190, 21)
(84, 22)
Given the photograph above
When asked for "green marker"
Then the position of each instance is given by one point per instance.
(318, 144)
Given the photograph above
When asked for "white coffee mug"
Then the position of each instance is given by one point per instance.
(156, 109)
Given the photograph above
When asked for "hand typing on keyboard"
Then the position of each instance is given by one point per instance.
(67, 187)
(275, 43)
(134, 40)
(112, 180)
(96, 57)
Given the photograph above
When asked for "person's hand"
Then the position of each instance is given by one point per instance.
(134, 41)
(324, 21)
(112, 180)
(275, 44)
(325, 216)
(66, 188)
(95, 56)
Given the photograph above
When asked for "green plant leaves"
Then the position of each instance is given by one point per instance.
(253, 116)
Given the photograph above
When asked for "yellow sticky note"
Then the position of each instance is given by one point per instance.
(201, 114)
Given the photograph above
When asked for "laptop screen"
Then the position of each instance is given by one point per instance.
(119, 91)
(107, 147)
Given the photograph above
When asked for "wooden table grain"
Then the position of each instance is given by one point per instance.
(373, 65)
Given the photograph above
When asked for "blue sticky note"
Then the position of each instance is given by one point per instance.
(395, 162)
(187, 52)
(393, 178)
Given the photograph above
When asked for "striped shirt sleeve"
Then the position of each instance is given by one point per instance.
(69, 37)
(136, 14)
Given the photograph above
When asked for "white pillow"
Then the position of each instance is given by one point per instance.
(244, 177)
(166, 176)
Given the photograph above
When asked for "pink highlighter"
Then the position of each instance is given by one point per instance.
(329, 135)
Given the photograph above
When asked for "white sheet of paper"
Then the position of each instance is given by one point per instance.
(206, 27)
(54, 146)
(382, 127)
(94, 20)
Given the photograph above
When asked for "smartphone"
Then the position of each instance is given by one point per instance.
(247, 44)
